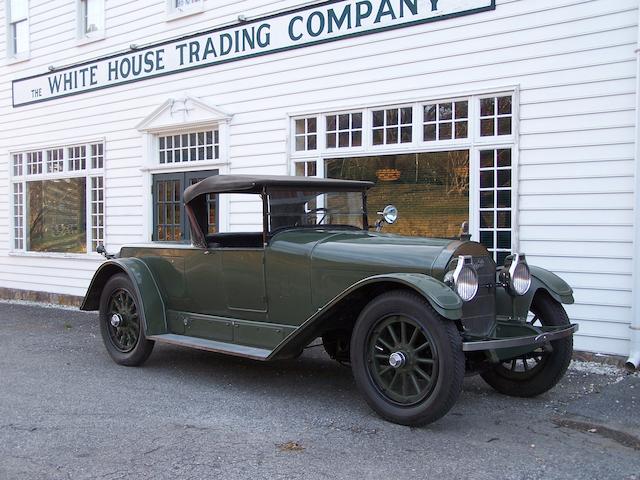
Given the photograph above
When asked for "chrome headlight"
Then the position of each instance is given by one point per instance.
(515, 274)
(464, 279)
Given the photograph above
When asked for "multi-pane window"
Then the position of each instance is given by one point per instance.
(183, 7)
(18, 13)
(97, 212)
(392, 126)
(496, 116)
(306, 134)
(78, 157)
(34, 163)
(189, 147)
(50, 208)
(18, 216)
(445, 121)
(97, 155)
(18, 164)
(496, 202)
(55, 160)
(90, 18)
(169, 219)
(344, 130)
(306, 169)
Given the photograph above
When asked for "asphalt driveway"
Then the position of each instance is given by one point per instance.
(68, 411)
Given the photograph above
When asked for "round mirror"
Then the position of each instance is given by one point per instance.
(390, 214)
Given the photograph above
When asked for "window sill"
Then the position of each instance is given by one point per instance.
(93, 256)
(185, 166)
(177, 14)
(90, 39)
(18, 59)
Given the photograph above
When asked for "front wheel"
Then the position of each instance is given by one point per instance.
(121, 323)
(407, 360)
(540, 370)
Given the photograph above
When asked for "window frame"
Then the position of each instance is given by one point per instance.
(82, 36)
(88, 174)
(11, 54)
(474, 143)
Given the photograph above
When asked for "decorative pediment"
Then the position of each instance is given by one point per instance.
(182, 112)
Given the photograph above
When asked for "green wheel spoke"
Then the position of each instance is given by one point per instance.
(393, 335)
(426, 361)
(414, 336)
(385, 344)
(422, 373)
(414, 381)
(403, 332)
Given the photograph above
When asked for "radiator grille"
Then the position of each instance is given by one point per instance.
(478, 315)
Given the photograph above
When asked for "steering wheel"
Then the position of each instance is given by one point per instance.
(323, 210)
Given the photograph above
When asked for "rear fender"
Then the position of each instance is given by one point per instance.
(444, 301)
(152, 305)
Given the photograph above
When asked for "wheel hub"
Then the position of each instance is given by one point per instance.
(397, 359)
(116, 320)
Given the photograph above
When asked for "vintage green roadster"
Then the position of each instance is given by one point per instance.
(410, 315)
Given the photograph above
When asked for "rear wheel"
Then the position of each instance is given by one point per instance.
(121, 324)
(407, 360)
(538, 371)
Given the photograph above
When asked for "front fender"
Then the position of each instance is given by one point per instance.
(541, 280)
(152, 306)
(444, 301)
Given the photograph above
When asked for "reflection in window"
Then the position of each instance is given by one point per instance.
(57, 215)
(431, 190)
(446, 121)
(496, 202)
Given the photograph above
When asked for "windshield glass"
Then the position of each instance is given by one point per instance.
(295, 208)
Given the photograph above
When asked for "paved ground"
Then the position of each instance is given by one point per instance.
(67, 411)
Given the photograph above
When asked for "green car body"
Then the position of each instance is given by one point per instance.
(272, 299)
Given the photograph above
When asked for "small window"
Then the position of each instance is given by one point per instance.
(18, 165)
(496, 116)
(445, 121)
(306, 134)
(178, 8)
(18, 31)
(189, 147)
(306, 169)
(90, 18)
(55, 160)
(393, 125)
(34, 163)
(97, 212)
(18, 216)
(344, 130)
(78, 157)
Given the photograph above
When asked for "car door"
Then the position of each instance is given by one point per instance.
(244, 282)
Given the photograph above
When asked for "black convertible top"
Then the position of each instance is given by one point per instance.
(257, 183)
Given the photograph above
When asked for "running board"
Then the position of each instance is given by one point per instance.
(212, 346)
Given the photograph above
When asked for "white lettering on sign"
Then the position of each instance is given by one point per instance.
(294, 29)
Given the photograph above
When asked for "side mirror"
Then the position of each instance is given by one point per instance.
(103, 251)
(389, 215)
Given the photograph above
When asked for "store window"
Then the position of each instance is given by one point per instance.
(90, 19)
(58, 203)
(169, 219)
(17, 28)
(461, 142)
(431, 190)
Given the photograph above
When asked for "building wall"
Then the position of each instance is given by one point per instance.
(572, 61)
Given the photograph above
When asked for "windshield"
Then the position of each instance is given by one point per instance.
(295, 208)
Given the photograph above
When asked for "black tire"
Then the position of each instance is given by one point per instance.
(126, 342)
(379, 325)
(539, 371)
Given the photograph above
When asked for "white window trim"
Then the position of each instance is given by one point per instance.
(174, 13)
(11, 56)
(87, 173)
(474, 143)
(82, 37)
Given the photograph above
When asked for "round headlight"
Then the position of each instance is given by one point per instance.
(515, 274)
(521, 279)
(464, 279)
(467, 283)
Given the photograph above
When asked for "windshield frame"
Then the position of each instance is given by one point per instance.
(266, 214)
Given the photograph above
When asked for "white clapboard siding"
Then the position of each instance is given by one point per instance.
(573, 61)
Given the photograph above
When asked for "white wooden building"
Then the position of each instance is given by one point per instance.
(110, 107)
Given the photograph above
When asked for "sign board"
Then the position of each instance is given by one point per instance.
(312, 25)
